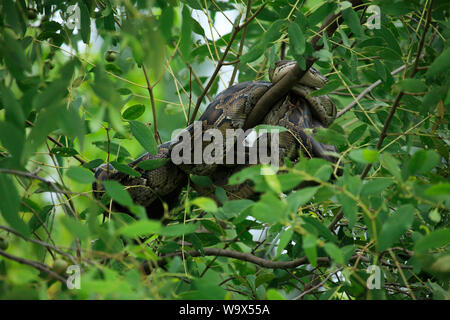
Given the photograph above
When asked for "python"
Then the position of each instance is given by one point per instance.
(235, 147)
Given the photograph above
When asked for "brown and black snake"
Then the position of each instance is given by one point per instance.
(297, 112)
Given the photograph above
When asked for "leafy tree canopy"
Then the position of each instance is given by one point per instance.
(80, 79)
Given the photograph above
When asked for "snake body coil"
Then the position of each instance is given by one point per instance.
(229, 110)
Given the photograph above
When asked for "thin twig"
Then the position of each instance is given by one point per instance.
(33, 176)
(366, 91)
(236, 30)
(152, 101)
(277, 91)
(241, 45)
(59, 144)
(301, 295)
(37, 265)
(396, 103)
(41, 243)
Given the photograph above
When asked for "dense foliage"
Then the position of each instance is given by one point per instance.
(79, 78)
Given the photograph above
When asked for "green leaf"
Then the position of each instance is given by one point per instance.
(352, 20)
(440, 189)
(114, 148)
(380, 69)
(273, 33)
(72, 125)
(14, 113)
(310, 247)
(329, 136)
(124, 91)
(46, 123)
(357, 133)
(435, 239)
(125, 169)
(177, 230)
(34, 223)
(376, 186)
(364, 155)
(13, 139)
(206, 204)
(321, 229)
(235, 207)
(423, 161)
(411, 85)
(151, 164)
(117, 192)
(140, 228)
(253, 172)
(186, 30)
(9, 205)
(350, 208)
(64, 152)
(289, 181)
(76, 228)
(253, 54)
(272, 181)
(300, 197)
(395, 226)
(93, 164)
(133, 112)
(334, 252)
(57, 89)
(440, 64)
(269, 209)
(285, 238)
(144, 136)
(213, 227)
(320, 14)
(85, 22)
(329, 87)
(296, 38)
(263, 278)
(166, 22)
(273, 294)
(434, 215)
(80, 174)
(13, 53)
(391, 164)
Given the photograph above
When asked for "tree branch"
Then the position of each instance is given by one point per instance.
(59, 144)
(241, 45)
(152, 101)
(396, 103)
(37, 265)
(366, 91)
(40, 243)
(248, 257)
(236, 30)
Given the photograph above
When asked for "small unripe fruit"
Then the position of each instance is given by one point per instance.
(31, 14)
(4, 243)
(60, 266)
(110, 56)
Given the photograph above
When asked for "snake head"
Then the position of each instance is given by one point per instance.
(313, 78)
(102, 172)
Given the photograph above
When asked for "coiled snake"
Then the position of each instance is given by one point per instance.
(229, 110)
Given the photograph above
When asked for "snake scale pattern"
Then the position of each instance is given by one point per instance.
(297, 112)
